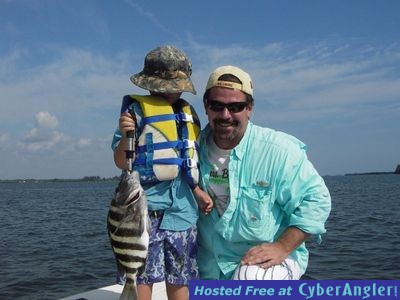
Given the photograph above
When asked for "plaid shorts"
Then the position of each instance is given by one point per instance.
(172, 255)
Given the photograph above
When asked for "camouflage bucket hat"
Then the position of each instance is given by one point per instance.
(166, 70)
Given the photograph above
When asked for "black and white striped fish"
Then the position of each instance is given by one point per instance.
(128, 227)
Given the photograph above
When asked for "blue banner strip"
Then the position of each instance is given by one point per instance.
(294, 289)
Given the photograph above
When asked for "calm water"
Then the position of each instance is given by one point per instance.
(53, 241)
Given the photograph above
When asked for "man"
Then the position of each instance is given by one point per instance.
(267, 195)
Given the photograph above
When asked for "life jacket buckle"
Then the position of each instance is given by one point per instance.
(189, 144)
(185, 117)
(190, 163)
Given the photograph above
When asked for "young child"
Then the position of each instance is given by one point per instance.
(166, 128)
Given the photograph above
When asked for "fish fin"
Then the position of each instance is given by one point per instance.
(141, 226)
(145, 225)
(120, 272)
(129, 292)
(148, 223)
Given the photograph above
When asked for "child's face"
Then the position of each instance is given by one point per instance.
(170, 97)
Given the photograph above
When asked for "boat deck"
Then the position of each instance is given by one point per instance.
(113, 292)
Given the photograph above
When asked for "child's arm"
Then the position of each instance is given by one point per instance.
(204, 201)
(126, 123)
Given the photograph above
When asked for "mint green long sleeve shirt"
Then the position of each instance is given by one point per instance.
(272, 186)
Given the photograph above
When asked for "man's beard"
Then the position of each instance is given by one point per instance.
(219, 128)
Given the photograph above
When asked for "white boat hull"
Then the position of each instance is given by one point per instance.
(112, 292)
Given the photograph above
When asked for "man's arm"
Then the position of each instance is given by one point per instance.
(267, 255)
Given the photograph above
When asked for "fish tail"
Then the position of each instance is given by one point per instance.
(129, 292)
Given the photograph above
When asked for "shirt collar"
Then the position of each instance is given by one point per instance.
(240, 150)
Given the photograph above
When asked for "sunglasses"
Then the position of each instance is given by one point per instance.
(233, 107)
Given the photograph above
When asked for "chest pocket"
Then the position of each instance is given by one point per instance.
(255, 205)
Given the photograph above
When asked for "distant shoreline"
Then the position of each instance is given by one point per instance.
(371, 173)
(84, 179)
(117, 178)
(396, 171)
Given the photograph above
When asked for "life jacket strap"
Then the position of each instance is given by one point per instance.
(179, 117)
(179, 145)
(183, 162)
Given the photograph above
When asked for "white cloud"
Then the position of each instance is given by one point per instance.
(45, 120)
(315, 82)
(43, 142)
(150, 17)
(8, 64)
(44, 135)
(75, 96)
(84, 142)
(3, 139)
(77, 86)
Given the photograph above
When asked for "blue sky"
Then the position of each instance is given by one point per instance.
(327, 72)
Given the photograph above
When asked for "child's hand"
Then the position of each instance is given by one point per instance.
(204, 201)
(126, 123)
(206, 205)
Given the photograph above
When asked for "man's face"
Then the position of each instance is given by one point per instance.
(228, 115)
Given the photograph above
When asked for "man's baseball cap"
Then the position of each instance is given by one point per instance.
(246, 86)
(166, 70)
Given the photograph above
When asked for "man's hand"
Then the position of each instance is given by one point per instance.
(267, 255)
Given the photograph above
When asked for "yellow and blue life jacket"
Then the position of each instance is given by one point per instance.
(165, 139)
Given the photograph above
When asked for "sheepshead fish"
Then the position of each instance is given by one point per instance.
(128, 227)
